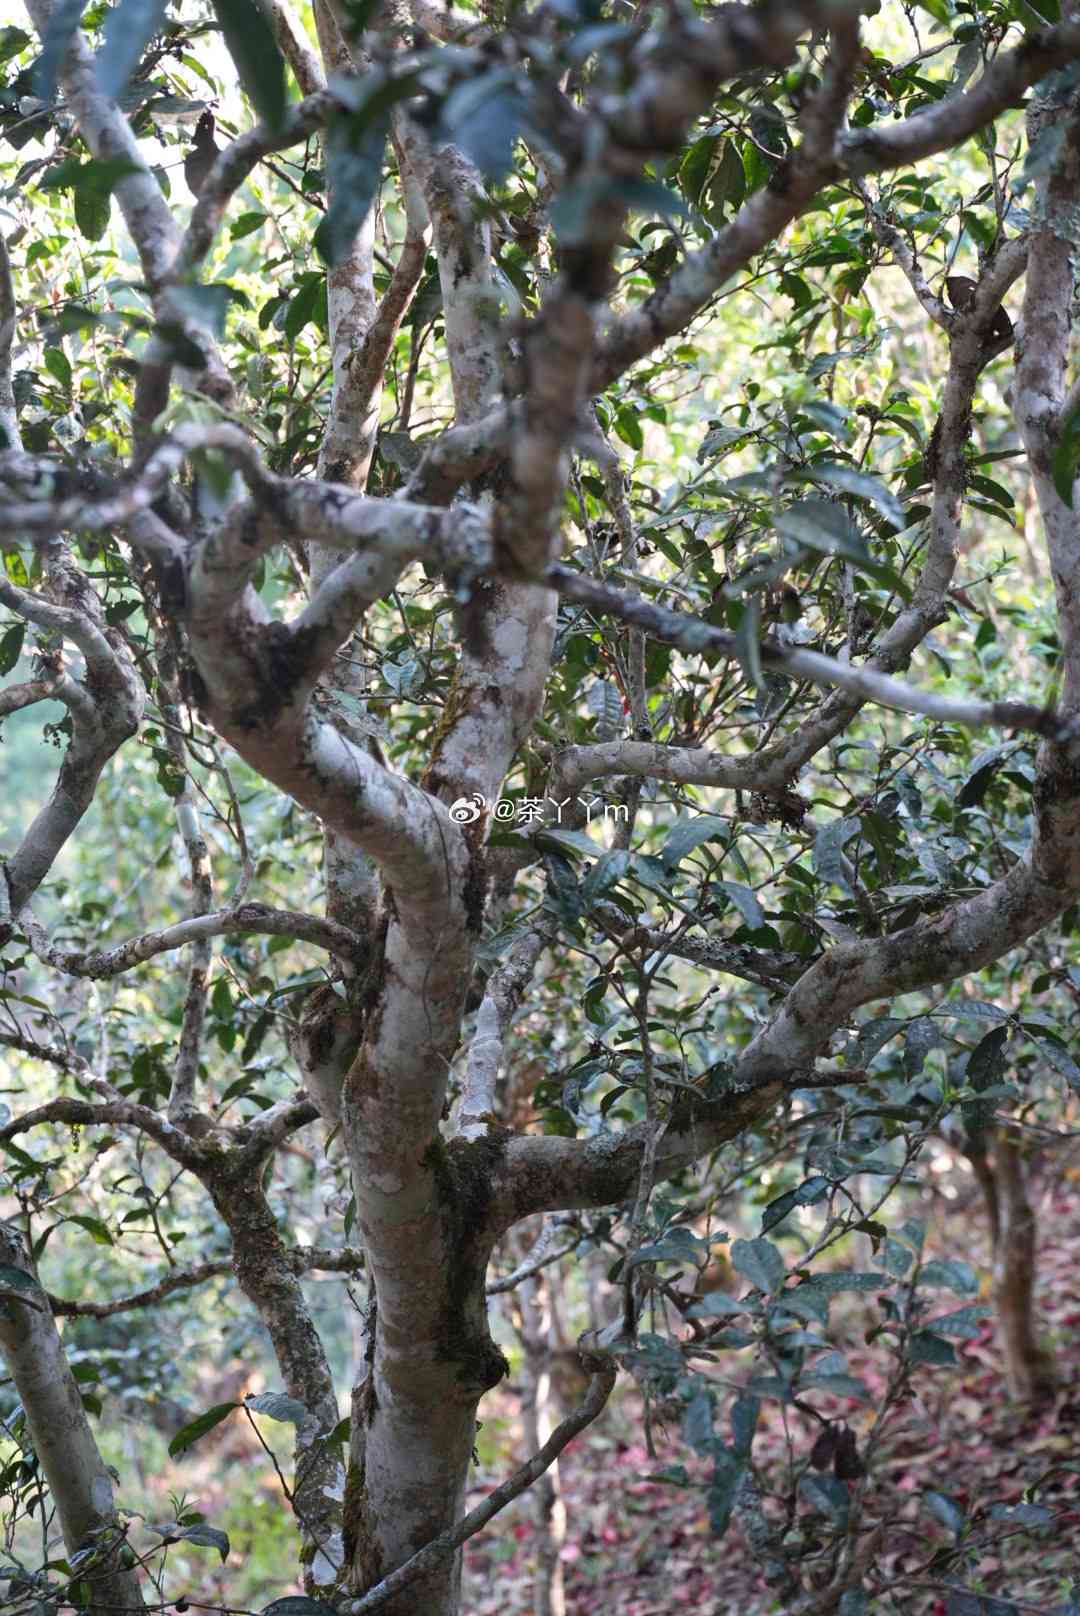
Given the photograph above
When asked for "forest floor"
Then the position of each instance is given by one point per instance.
(638, 1546)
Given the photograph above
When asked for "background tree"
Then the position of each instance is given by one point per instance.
(346, 566)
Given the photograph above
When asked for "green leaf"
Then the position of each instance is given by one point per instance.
(965, 1323)
(744, 901)
(563, 888)
(951, 1274)
(190, 1433)
(920, 1038)
(827, 1496)
(720, 1496)
(812, 1190)
(605, 873)
(717, 1304)
(696, 167)
(92, 184)
(932, 1350)
(221, 999)
(129, 27)
(838, 1385)
(821, 525)
(687, 834)
(297, 1605)
(94, 1227)
(279, 1406)
(860, 483)
(727, 188)
(828, 857)
(946, 1510)
(17, 1282)
(58, 365)
(761, 1263)
(355, 142)
(986, 1063)
(1060, 1059)
(748, 642)
(302, 308)
(249, 37)
(245, 224)
(12, 41)
(483, 116)
(11, 644)
(1066, 458)
(204, 306)
(207, 1537)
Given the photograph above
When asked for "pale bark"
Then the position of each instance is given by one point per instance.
(78, 1477)
(405, 880)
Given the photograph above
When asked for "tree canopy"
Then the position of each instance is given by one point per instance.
(541, 644)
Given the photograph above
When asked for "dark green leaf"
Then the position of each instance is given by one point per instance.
(354, 154)
(744, 901)
(920, 1038)
(946, 1510)
(1066, 459)
(483, 116)
(297, 1605)
(1060, 1060)
(249, 36)
(820, 525)
(208, 1537)
(860, 483)
(748, 642)
(951, 1274)
(204, 306)
(58, 365)
(965, 1323)
(687, 834)
(17, 1282)
(761, 1263)
(827, 1496)
(829, 859)
(721, 1492)
(199, 1426)
(11, 644)
(932, 1350)
(605, 873)
(302, 308)
(12, 41)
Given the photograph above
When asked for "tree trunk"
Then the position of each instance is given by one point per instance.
(266, 1278)
(79, 1482)
(1028, 1368)
(549, 1511)
(431, 1360)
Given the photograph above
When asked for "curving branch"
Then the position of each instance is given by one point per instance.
(505, 989)
(575, 766)
(956, 117)
(249, 918)
(549, 1247)
(110, 1113)
(693, 636)
(673, 305)
(16, 697)
(105, 709)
